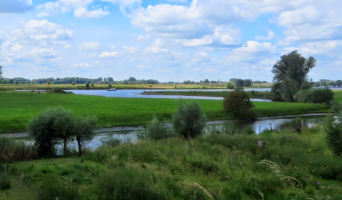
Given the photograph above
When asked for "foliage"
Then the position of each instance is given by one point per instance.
(0, 73)
(290, 74)
(73, 83)
(315, 96)
(238, 102)
(336, 107)
(83, 130)
(303, 96)
(87, 85)
(92, 85)
(157, 129)
(230, 85)
(12, 150)
(49, 126)
(189, 120)
(48, 82)
(4, 181)
(333, 127)
(56, 190)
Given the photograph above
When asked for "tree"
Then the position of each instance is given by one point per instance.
(84, 131)
(48, 82)
(230, 85)
(189, 120)
(110, 79)
(206, 81)
(49, 126)
(132, 79)
(0, 73)
(238, 102)
(247, 83)
(73, 83)
(291, 71)
(87, 85)
(338, 82)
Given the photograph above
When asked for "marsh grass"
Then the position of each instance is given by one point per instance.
(13, 150)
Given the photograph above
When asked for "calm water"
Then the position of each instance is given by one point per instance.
(137, 93)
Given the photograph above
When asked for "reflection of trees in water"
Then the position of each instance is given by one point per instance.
(300, 123)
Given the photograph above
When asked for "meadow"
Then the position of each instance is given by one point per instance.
(252, 94)
(219, 166)
(17, 108)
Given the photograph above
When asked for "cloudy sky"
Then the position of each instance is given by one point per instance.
(168, 40)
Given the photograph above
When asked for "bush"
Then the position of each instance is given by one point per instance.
(315, 96)
(333, 127)
(189, 120)
(4, 182)
(157, 130)
(238, 102)
(55, 190)
(87, 85)
(73, 83)
(92, 85)
(230, 85)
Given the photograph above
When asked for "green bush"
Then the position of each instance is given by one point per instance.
(315, 96)
(333, 127)
(73, 83)
(238, 102)
(4, 182)
(189, 120)
(230, 85)
(157, 130)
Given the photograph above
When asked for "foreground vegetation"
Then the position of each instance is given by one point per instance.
(219, 166)
(17, 108)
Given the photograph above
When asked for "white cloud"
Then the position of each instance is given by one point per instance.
(80, 8)
(92, 46)
(202, 53)
(15, 6)
(155, 50)
(270, 36)
(108, 54)
(67, 46)
(17, 47)
(123, 4)
(84, 13)
(81, 65)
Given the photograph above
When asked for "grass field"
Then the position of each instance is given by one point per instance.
(17, 108)
(252, 94)
(212, 167)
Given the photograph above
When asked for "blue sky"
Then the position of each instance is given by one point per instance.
(168, 40)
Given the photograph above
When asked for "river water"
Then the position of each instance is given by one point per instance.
(137, 93)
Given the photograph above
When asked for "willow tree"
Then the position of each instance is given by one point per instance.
(290, 74)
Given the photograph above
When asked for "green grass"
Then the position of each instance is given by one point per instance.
(212, 167)
(338, 96)
(17, 108)
(252, 94)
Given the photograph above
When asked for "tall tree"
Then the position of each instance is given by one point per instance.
(0, 72)
(291, 72)
(84, 131)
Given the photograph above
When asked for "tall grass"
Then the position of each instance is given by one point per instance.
(13, 150)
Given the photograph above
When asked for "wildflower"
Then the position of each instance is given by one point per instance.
(288, 180)
(318, 183)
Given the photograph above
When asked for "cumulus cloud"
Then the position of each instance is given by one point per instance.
(156, 50)
(108, 54)
(17, 47)
(15, 6)
(270, 36)
(93, 46)
(123, 4)
(85, 13)
(80, 8)
(202, 53)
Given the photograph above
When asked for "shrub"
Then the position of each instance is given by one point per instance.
(73, 83)
(230, 85)
(157, 130)
(333, 127)
(189, 120)
(303, 96)
(12, 150)
(4, 182)
(109, 85)
(87, 85)
(238, 102)
(315, 96)
(92, 85)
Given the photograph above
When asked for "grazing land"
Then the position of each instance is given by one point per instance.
(17, 108)
(252, 94)
(208, 167)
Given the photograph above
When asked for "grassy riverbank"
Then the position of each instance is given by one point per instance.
(212, 167)
(17, 108)
(252, 94)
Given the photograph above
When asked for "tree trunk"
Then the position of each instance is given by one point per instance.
(65, 147)
(79, 146)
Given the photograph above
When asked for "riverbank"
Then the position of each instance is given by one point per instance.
(252, 94)
(18, 108)
(291, 166)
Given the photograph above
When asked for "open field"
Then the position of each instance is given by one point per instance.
(252, 94)
(210, 167)
(17, 108)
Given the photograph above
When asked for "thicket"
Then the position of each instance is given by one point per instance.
(238, 102)
(55, 124)
(189, 120)
(333, 127)
(324, 95)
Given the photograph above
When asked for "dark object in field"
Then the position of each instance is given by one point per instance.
(261, 144)
(296, 130)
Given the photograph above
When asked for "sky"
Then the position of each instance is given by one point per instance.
(167, 40)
